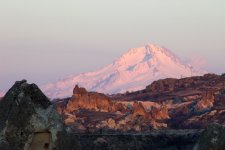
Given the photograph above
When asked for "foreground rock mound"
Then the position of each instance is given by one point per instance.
(29, 121)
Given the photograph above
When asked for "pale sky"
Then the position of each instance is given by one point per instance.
(45, 40)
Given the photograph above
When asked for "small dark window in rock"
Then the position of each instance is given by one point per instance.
(46, 146)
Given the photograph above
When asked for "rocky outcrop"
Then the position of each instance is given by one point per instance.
(92, 112)
(82, 99)
(162, 85)
(118, 107)
(28, 120)
(192, 102)
(191, 86)
(160, 113)
(206, 102)
(138, 109)
(171, 85)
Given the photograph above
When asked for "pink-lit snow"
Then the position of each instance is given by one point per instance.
(133, 71)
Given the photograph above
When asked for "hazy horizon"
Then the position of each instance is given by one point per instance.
(43, 41)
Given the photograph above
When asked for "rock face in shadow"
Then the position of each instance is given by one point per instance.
(213, 138)
(155, 140)
(28, 120)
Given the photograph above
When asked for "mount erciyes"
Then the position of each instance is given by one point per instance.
(132, 71)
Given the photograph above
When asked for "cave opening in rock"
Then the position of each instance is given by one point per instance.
(41, 141)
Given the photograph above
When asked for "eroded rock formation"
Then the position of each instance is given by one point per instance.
(206, 102)
(138, 109)
(82, 99)
(160, 113)
(93, 112)
(28, 120)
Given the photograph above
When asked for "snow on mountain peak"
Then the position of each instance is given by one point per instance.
(134, 70)
(150, 54)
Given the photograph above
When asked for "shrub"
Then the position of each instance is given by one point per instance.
(177, 100)
(223, 92)
(129, 106)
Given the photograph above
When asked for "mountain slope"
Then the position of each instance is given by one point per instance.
(2, 94)
(132, 71)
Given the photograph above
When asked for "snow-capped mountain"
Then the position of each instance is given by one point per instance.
(132, 71)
